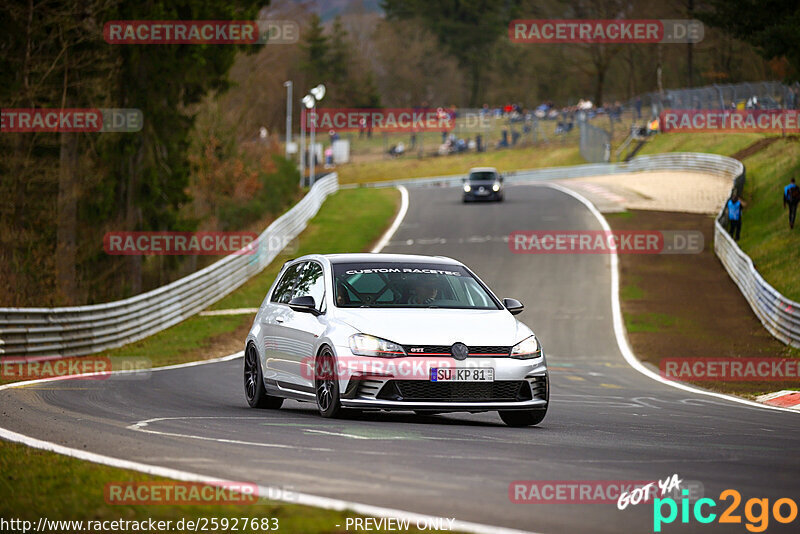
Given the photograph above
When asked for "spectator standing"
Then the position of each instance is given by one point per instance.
(638, 107)
(791, 198)
(734, 216)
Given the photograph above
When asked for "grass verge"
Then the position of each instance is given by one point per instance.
(725, 144)
(546, 155)
(766, 237)
(29, 491)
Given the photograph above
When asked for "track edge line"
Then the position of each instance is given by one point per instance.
(401, 214)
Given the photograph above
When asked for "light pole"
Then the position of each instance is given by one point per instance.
(313, 155)
(310, 102)
(302, 146)
(288, 86)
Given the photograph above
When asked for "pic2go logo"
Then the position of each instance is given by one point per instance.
(757, 521)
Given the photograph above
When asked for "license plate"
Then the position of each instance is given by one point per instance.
(485, 374)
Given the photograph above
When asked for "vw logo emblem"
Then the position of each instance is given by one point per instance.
(459, 351)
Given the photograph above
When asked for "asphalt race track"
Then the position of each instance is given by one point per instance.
(606, 420)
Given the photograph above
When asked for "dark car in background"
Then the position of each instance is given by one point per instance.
(483, 183)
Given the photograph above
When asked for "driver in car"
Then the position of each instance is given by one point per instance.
(423, 293)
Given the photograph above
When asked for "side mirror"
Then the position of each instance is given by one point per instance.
(304, 304)
(514, 306)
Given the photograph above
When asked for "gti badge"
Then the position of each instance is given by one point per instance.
(459, 351)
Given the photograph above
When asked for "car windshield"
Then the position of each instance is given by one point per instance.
(408, 285)
(482, 176)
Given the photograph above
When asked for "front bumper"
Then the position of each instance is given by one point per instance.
(404, 384)
(490, 195)
(367, 404)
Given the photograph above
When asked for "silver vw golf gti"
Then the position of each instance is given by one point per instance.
(393, 332)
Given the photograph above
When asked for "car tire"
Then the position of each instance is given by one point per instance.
(254, 390)
(326, 384)
(522, 417)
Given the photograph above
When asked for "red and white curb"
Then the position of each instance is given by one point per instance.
(786, 398)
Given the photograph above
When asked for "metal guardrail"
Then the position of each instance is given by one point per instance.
(779, 315)
(81, 330)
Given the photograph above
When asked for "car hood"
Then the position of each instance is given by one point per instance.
(437, 326)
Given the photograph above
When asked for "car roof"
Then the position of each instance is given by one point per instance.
(482, 169)
(377, 257)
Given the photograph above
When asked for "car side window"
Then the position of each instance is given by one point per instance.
(283, 290)
(311, 282)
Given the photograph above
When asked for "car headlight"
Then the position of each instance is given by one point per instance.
(496, 187)
(527, 349)
(365, 345)
(467, 188)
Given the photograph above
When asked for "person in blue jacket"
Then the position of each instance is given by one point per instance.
(791, 198)
(734, 216)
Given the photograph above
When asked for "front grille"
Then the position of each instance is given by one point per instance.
(488, 349)
(422, 390)
(438, 350)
